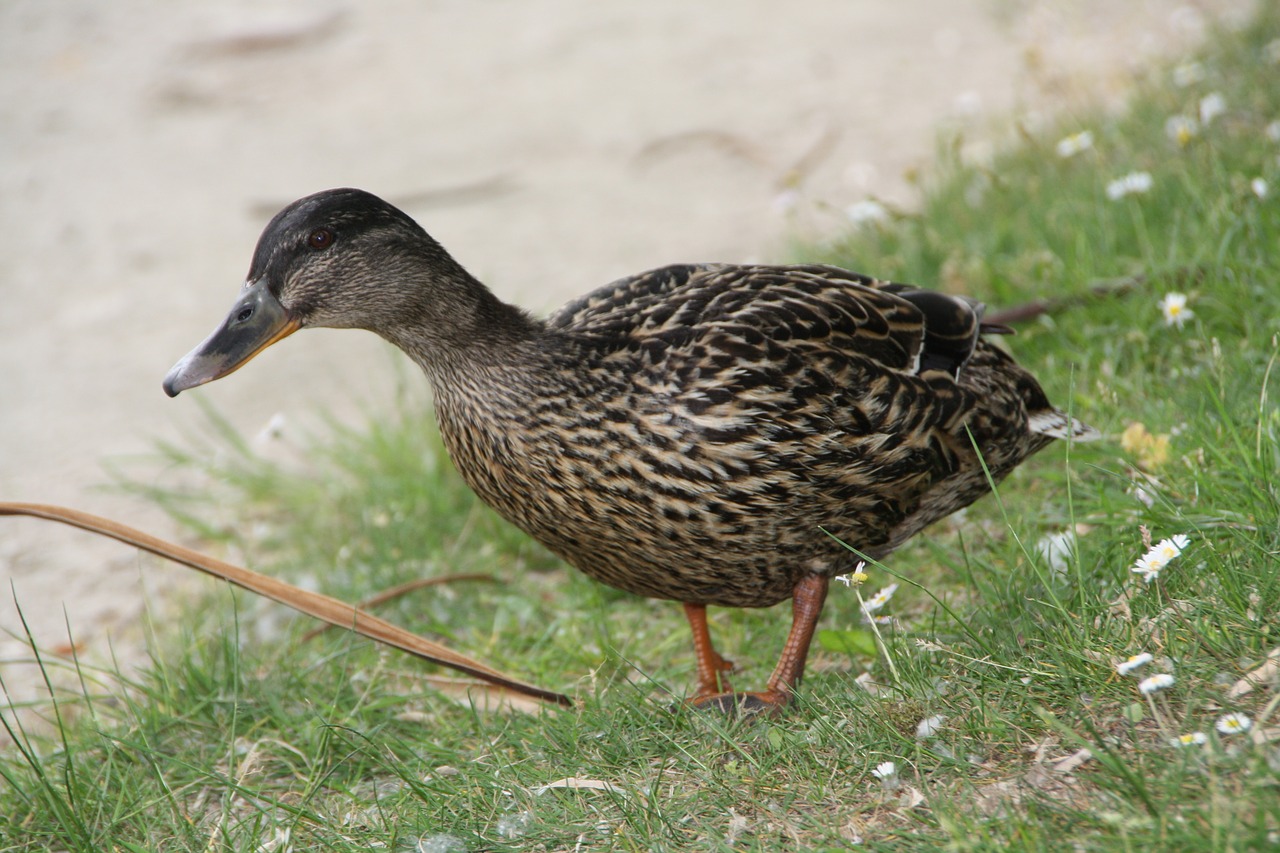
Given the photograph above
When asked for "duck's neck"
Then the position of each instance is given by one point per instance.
(457, 330)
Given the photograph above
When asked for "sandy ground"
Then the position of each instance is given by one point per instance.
(552, 146)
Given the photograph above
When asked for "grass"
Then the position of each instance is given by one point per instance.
(243, 737)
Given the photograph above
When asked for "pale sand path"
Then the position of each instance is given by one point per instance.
(552, 146)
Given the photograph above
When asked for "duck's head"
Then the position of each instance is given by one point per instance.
(341, 258)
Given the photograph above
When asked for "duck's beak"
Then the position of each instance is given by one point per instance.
(255, 322)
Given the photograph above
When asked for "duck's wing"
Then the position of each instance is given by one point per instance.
(901, 328)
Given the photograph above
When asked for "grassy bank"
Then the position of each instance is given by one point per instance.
(993, 684)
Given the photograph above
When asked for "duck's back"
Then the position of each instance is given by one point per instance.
(696, 432)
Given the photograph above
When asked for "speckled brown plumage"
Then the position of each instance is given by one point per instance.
(687, 433)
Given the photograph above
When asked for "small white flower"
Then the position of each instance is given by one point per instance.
(1192, 739)
(1056, 549)
(1155, 683)
(929, 726)
(1175, 310)
(1131, 184)
(1070, 146)
(879, 600)
(1259, 187)
(1181, 129)
(1273, 131)
(1129, 665)
(857, 577)
(1212, 106)
(866, 212)
(1149, 569)
(885, 770)
(1233, 724)
(1152, 563)
(1167, 549)
(1188, 74)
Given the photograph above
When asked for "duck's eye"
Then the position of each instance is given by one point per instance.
(321, 238)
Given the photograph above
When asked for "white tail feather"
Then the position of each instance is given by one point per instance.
(1058, 424)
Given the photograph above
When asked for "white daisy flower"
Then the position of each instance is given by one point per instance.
(1212, 106)
(1273, 131)
(1259, 187)
(1175, 310)
(866, 212)
(879, 600)
(857, 577)
(1181, 129)
(1070, 146)
(885, 770)
(1056, 549)
(1192, 739)
(929, 726)
(1135, 662)
(1167, 549)
(1131, 184)
(1149, 567)
(1152, 563)
(1155, 684)
(1233, 724)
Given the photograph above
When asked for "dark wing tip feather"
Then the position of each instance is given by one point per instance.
(951, 327)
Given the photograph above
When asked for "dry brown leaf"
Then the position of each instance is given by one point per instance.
(1119, 607)
(737, 825)
(1268, 672)
(864, 681)
(484, 696)
(911, 798)
(313, 604)
(1072, 762)
(1262, 736)
(577, 783)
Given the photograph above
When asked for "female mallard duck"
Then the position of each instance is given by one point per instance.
(698, 432)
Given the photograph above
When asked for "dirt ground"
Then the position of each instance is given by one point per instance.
(551, 146)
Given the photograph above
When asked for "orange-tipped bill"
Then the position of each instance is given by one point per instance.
(255, 322)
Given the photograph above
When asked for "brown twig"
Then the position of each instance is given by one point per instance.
(398, 590)
(1031, 310)
(313, 604)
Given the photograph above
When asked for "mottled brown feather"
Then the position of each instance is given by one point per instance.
(689, 433)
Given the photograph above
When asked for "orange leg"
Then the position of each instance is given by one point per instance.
(806, 606)
(712, 669)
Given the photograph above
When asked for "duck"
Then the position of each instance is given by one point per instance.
(715, 434)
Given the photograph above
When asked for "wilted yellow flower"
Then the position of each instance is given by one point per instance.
(1152, 451)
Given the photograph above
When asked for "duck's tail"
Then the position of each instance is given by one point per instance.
(1056, 423)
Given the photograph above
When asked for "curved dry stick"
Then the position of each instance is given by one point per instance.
(401, 590)
(313, 604)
